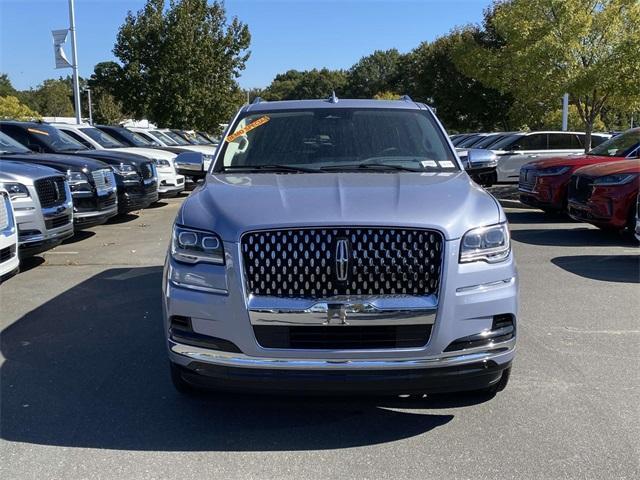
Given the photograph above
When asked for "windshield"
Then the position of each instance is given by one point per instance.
(163, 137)
(506, 141)
(619, 146)
(134, 138)
(176, 138)
(56, 140)
(104, 139)
(9, 145)
(332, 138)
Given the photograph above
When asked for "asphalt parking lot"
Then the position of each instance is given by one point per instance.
(85, 389)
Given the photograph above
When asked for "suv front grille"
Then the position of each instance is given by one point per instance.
(51, 191)
(326, 262)
(580, 188)
(104, 181)
(342, 337)
(528, 178)
(147, 170)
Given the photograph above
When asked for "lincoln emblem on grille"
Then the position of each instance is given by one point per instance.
(342, 260)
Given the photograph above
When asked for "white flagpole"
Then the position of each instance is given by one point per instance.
(74, 60)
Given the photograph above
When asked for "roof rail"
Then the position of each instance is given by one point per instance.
(406, 98)
(332, 98)
(257, 100)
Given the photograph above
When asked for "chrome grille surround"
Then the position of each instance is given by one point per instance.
(303, 263)
(104, 181)
(4, 212)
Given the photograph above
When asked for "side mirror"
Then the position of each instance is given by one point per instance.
(190, 164)
(480, 161)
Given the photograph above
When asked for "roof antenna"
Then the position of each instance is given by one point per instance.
(406, 98)
(257, 100)
(333, 98)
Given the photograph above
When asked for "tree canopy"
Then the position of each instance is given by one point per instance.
(12, 108)
(179, 64)
(588, 48)
(308, 84)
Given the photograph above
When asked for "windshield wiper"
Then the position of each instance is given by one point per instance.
(274, 168)
(371, 166)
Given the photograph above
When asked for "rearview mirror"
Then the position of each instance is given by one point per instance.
(190, 164)
(479, 161)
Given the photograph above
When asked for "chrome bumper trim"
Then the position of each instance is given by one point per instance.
(353, 310)
(483, 287)
(97, 213)
(229, 359)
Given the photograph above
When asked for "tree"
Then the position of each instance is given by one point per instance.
(588, 48)
(309, 84)
(12, 108)
(106, 109)
(462, 101)
(6, 88)
(180, 64)
(375, 73)
(387, 95)
(53, 98)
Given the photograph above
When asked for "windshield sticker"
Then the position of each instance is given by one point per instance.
(33, 130)
(428, 163)
(446, 164)
(248, 128)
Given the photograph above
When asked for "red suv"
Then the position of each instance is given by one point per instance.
(543, 184)
(605, 194)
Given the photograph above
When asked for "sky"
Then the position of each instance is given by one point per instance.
(286, 34)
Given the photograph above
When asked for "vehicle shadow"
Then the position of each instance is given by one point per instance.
(572, 237)
(79, 236)
(535, 217)
(122, 218)
(89, 369)
(158, 204)
(608, 268)
(29, 263)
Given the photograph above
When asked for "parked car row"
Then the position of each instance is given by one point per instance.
(514, 149)
(600, 187)
(59, 178)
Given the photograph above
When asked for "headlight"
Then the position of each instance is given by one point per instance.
(127, 171)
(194, 246)
(16, 190)
(487, 244)
(162, 163)
(546, 172)
(615, 179)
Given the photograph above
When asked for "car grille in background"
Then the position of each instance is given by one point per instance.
(51, 191)
(580, 188)
(528, 178)
(342, 337)
(7, 253)
(57, 222)
(147, 170)
(104, 181)
(310, 263)
(4, 212)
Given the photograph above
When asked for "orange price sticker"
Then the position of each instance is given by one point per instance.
(34, 130)
(248, 128)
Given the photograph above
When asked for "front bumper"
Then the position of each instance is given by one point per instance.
(136, 198)
(91, 210)
(169, 183)
(470, 296)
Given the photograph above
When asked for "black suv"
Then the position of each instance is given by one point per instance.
(92, 183)
(135, 175)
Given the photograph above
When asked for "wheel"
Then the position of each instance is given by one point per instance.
(501, 384)
(179, 383)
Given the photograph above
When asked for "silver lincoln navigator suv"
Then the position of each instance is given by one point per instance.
(340, 246)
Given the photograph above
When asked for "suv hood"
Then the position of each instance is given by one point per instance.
(58, 161)
(230, 204)
(611, 168)
(575, 161)
(149, 153)
(23, 172)
(114, 157)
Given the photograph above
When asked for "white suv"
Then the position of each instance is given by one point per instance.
(8, 237)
